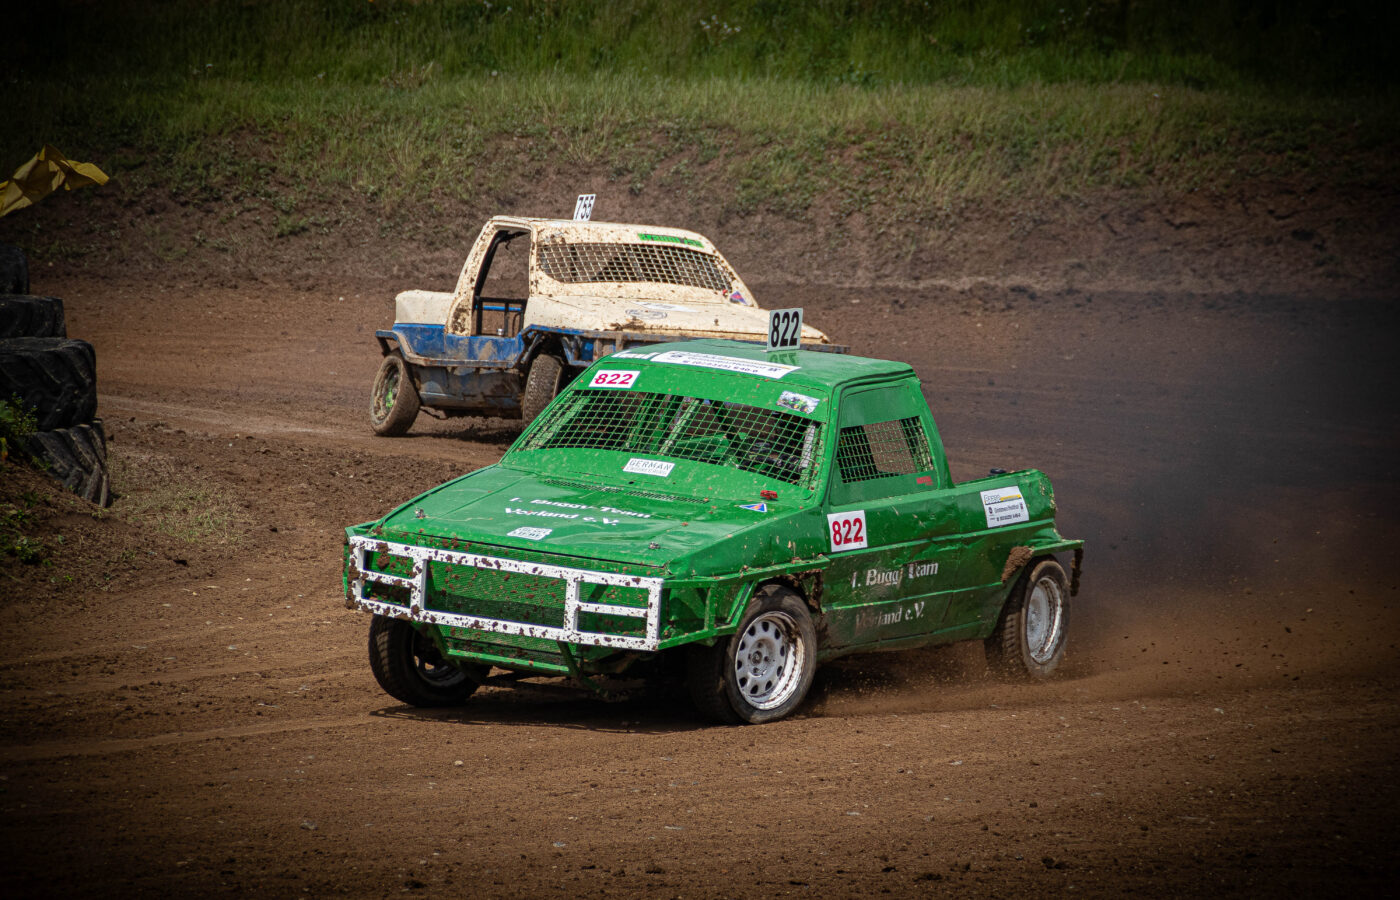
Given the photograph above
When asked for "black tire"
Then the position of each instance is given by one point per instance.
(14, 270)
(411, 669)
(55, 378)
(24, 316)
(546, 374)
(394, 403)
(77, 457)
(763, 671)
(1029, 641)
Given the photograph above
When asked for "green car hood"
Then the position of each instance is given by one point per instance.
(511, 508)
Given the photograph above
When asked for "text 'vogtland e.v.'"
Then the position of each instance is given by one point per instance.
(716, 511)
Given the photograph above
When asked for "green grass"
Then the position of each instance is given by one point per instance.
(175, 502)
(778, 143)
(1202, 43)
(776, 105)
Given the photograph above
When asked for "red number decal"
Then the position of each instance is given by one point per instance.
(847, 530)
(613, 379)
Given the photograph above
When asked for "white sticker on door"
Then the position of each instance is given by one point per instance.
(847, 530)
(1005, 506)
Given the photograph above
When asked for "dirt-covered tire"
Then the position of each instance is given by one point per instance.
(25, 316)
(394, 403)
(763, 671)
(14, 270)
(55, 378)
(77, 457)
(410, 668)
(542, 383)
(1029, 641)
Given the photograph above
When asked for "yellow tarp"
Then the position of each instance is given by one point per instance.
(42, 175)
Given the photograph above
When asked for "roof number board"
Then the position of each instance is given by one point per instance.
(785, 329)
(583, 209)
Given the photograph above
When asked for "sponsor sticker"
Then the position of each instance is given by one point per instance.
(530, 534)
(632, 354)
(670, 239)
(798, 402)
(756, 507)
(646, 313)
(668, 307)
(649, 467)
(614, 378)
(724, 363)
(847, 530)
(1005, 506)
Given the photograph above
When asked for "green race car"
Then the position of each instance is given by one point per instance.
(714, 509)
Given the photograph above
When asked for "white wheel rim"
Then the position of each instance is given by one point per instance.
(768, 660)
(1044, 620)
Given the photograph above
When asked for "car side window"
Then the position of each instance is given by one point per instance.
(880, 455)
(882, 450)
(503, 285)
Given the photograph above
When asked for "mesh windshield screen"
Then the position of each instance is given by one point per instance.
(580, 263)
(767, 441)
(882, 450)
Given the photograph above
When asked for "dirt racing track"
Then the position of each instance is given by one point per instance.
(199, 718)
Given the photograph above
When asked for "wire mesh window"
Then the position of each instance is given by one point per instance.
(882, 450)
(769, 442)
(582, 263)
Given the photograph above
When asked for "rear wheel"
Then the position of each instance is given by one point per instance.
(546, 374)
(410, 668)
(763, 671)
(394, 404)
(1029, 641)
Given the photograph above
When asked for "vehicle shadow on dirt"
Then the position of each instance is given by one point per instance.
(559, 707)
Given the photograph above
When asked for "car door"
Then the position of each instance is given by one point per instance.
(892, 538)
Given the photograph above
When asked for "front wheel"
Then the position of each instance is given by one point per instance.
(394, 403)
(1029, 641)
(541, 384)
(410, 668)
(763, 671)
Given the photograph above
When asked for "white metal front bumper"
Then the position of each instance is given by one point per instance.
(417, 584)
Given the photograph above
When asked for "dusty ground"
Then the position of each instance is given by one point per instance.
(183, 718)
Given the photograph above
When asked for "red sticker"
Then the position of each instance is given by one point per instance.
(925, 479)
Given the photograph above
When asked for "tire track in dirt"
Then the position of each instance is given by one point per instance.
(56, 750)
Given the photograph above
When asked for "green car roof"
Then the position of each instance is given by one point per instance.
(813, 369)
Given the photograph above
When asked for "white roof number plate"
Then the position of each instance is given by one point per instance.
(785, 329)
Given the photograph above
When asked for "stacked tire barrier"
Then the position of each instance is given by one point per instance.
(54, 377)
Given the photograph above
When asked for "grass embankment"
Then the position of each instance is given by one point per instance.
(916, 107)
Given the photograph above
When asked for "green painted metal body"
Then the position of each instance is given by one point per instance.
(692, 474)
